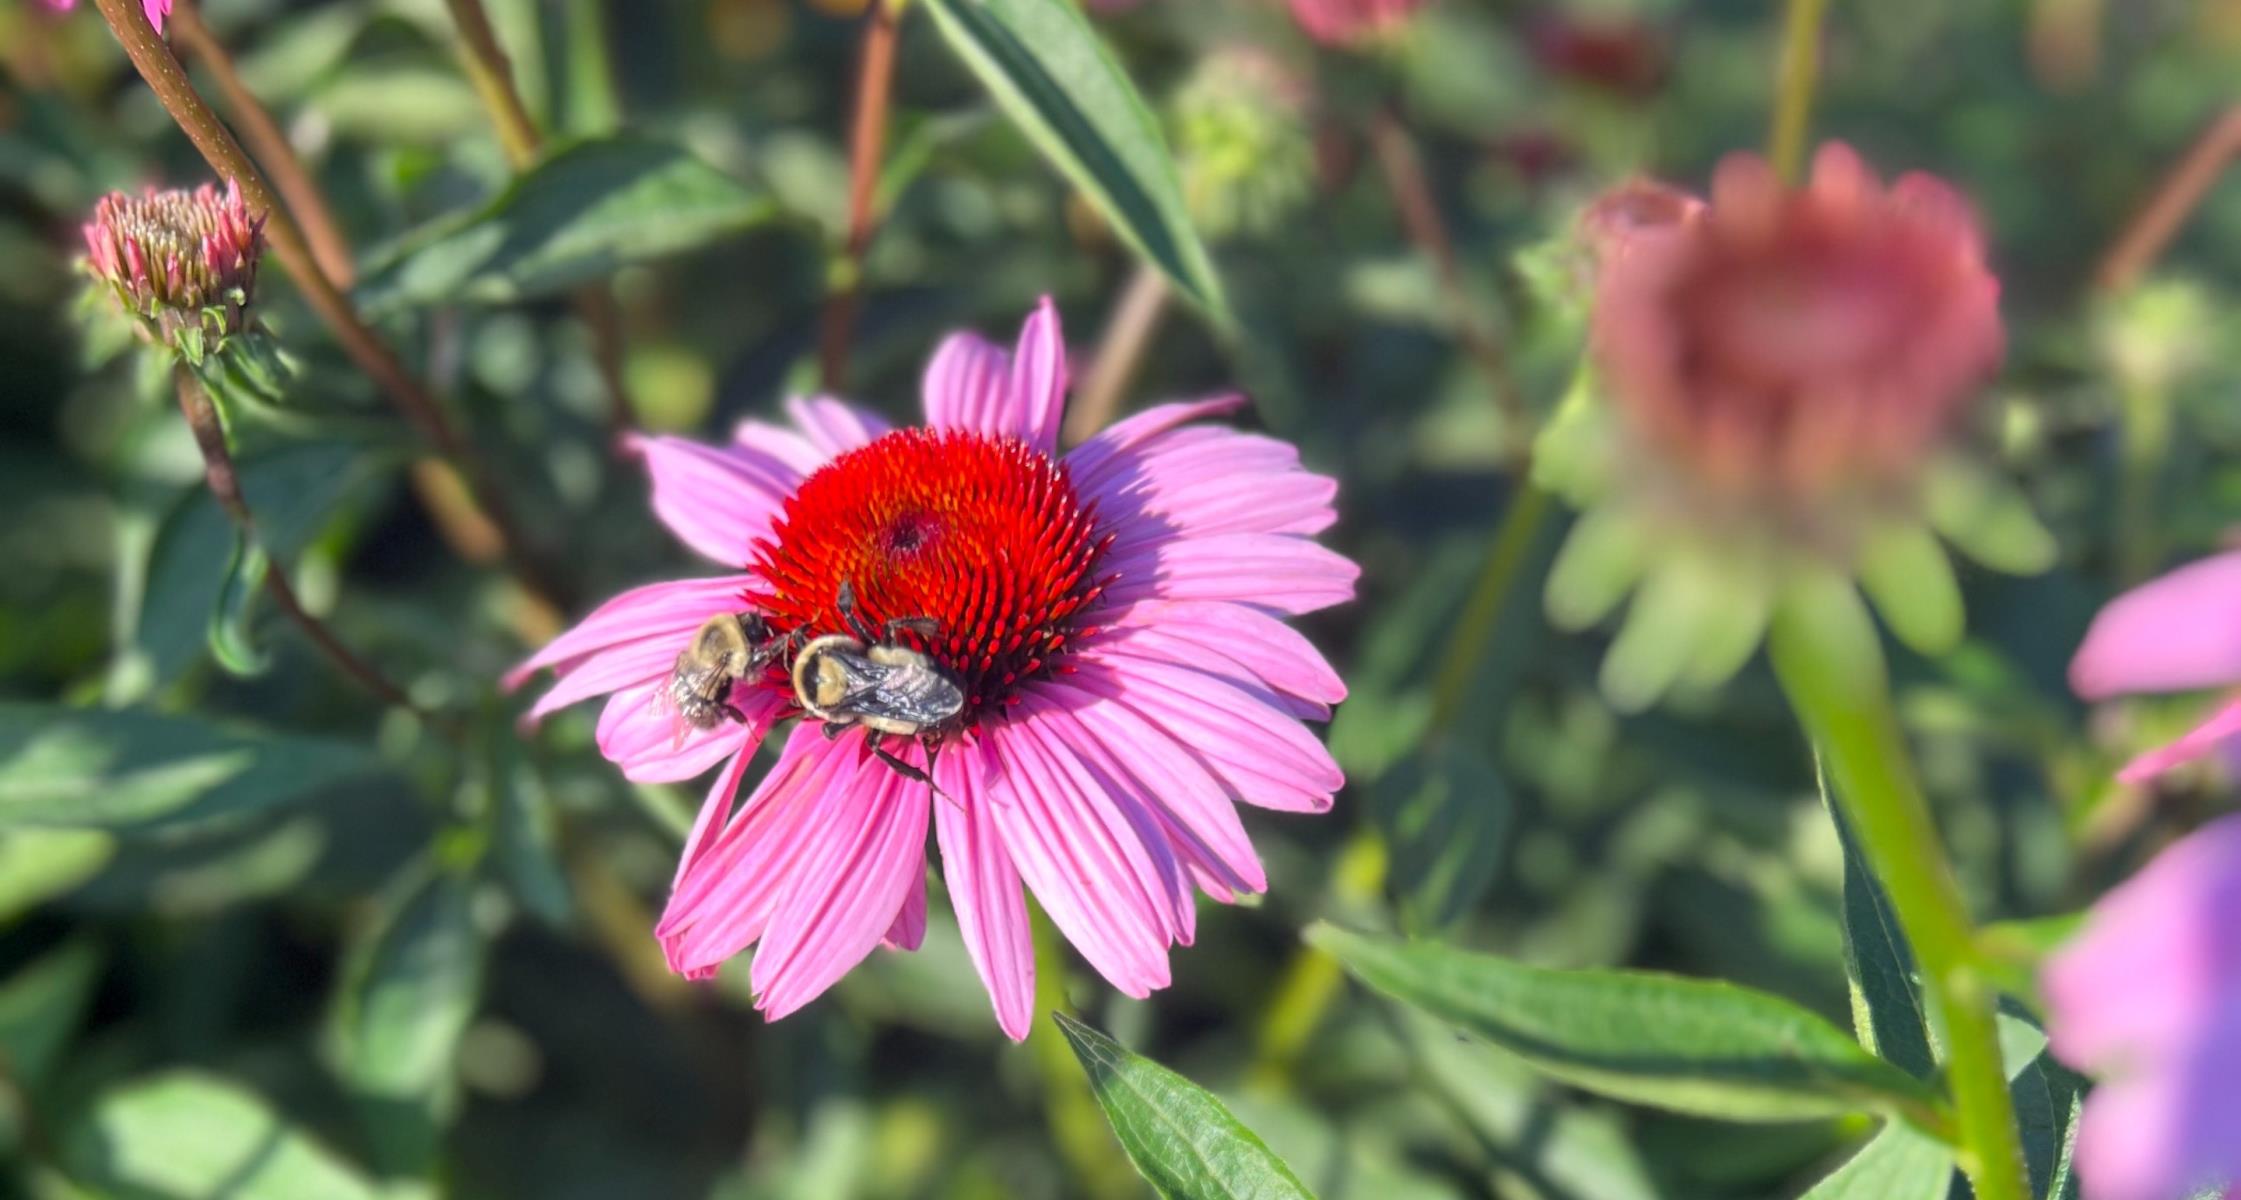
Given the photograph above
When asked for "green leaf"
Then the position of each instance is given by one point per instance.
(526, 833)
(1182, 1139)
(1899, 1164)
(1905, 571)
(40, 1008)
(37, 865)
(228, 634)
(2047, 1097)
(1888, 1012)
(580, 215)
(76, 768)
(1446, 816)
(1694, 1046)
(408, 991)
(1058, 83)
(190, 1136)
(293, 491)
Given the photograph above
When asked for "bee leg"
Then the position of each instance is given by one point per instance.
(922, 626)
(733, 711)
(908, 771)
(833, 730)
(846, 602)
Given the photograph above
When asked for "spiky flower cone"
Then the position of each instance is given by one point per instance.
(1776, 375)
(182, 264)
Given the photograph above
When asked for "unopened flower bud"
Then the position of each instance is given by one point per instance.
(183, 264)
(1242, 142)
(1352, 22)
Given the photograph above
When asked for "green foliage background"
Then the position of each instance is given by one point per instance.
(261, 938)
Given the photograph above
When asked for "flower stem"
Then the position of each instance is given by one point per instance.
(225, 486)
(1403, 168)
(329, 247)
(465, 526)
(1830, 663)
(867, 145)
(1311, 982)
(1119, 351)
(492, 75)
(2151, 229)
(1795, 75)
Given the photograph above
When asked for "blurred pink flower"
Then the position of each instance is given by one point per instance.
(1113, 614)
(1351, 22)
(2149, 997)
(1798, 340)
(2173, 634)
(172, 257)
(158, 10)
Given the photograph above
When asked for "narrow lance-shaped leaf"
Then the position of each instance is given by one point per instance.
(1182, 1139)
(66, 768)
(1055, 79)
(1888, 1009)
(1695, 1046)
(584, 212)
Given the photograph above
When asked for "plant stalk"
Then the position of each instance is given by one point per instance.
(1829, 660)
(1796, 74)
(1120, 350)
(2175, 199)
(329, 246)
(492, 75)
(225, 486)
(1403, 168)
(867, 148)
(478, 513)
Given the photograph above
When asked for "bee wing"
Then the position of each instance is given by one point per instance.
(899, 693)
(663, 704)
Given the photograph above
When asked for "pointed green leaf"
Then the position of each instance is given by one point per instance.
(1695, 1046)
(1601, 561)
(1057, 82)
(1906, 573)
(37, 865)
(1182, 1139)
(408, 991)
(244, 581)
(1889, 1013)
(120, 768)
(41, 1005)
(1987, 517)
(1898, 1164)
(582, 213)
(190, 1136)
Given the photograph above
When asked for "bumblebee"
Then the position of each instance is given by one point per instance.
(728, 648)
(866, 677)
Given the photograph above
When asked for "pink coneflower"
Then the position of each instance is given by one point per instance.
(2149, 998)
(1113, 617)
(158, 10)
(178, 259)
(1804, 340)
(2174, 634)
(1352, 22)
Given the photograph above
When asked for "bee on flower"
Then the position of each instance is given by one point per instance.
(1094, 642)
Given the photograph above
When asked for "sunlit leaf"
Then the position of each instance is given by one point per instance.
(41, 1005)
(1182, 1139)
(1898, 1164)
(1695, 1046)
(584, 212)
(64, 767)
(1053, 76)
(191, 1136)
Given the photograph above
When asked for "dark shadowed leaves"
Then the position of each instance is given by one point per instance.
(81, 768)
(1446, 816)
(1695, 1046)
(408, 991)
(1180, 1137)
(41, 1005)
(586, 211)
(1887, 1006)
(1054, 78)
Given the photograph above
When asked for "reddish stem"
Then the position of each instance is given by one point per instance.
(2152, 229)
(867, 143)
